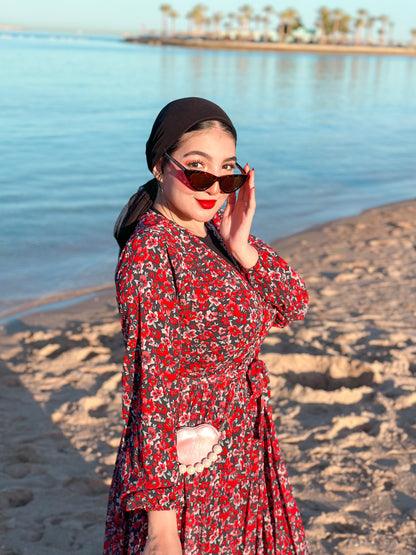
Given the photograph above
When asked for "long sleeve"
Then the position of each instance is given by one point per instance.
(278, 285)
(147, 303)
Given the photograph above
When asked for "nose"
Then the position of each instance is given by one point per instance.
(214, 189)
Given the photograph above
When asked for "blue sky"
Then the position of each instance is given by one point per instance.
(129, 16)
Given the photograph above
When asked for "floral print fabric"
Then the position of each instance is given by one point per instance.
(193, 326)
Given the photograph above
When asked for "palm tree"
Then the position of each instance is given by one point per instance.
(268, 11)
(197, 16)
(207, 24)
(344, 26)
(289, 18)
(369, 26)
(413, 42)
(324, 23)
(231, 16)
(241, 22)
(391, 39)
(359, 23)
(363, 14)
(258, 20)
(172, 16)
(245, 17)
(216, 18)
(382, 31)
(229, 23)
(337, 16)
(165, 9)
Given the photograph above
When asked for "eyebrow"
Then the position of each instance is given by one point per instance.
(205, 155)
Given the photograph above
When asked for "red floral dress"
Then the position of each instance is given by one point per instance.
(193, 325)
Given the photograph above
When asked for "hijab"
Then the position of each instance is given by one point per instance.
(175, 119)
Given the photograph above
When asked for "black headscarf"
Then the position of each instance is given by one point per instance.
(175, 119)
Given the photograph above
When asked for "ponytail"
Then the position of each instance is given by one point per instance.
(138, 204)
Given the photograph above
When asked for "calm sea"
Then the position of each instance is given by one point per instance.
(328, 136)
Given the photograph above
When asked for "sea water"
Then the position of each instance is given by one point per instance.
(328, 137)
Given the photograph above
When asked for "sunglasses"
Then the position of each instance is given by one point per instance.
(201, 181)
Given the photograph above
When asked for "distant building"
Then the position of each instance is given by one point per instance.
(303, 35)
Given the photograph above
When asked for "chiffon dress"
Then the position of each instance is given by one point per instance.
(193, 325)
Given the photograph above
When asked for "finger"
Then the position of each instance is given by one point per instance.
(251, 192)
(252, 201)
(252, 186)
(251, 180)
(247, 195)
(244, 194)
(231, 200)
(227, 211)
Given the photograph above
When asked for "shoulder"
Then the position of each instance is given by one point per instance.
(151, 233)
(144, 270)
(148, 245)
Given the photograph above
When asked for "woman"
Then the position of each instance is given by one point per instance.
(199, 469)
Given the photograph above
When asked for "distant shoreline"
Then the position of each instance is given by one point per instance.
(286, 48)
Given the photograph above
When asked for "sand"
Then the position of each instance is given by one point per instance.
(343, 391)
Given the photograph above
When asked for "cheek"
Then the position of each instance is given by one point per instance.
(183, 190)
(176, 188)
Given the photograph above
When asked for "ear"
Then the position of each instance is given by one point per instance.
(157, 171)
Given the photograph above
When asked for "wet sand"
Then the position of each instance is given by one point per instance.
(343, 390)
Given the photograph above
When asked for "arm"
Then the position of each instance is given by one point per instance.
(162, 536)
(277, 284)
(269, 275)
(147, 302)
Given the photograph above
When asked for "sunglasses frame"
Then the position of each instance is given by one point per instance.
(215, 178)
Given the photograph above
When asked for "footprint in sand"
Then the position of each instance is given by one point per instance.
(86, 486)
(16, 498)
(18, 470)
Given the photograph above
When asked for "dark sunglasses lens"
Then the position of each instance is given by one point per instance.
(231, 183)
(200, 181)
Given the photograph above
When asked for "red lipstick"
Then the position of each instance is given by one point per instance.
(207, 204)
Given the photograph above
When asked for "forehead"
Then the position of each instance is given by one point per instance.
(213, 141)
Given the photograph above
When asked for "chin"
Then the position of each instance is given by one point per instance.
(207, 215)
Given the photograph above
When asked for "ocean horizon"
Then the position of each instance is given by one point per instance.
(328, 135)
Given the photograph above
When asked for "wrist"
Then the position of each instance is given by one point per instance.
(247, 256)
(162, 523)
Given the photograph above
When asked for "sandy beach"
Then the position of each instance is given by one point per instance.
(343, 390)
(286, 48)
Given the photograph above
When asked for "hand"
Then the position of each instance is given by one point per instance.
(236, 222)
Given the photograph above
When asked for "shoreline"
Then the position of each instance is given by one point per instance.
(63, 299)
(279, 47)
(51, 302)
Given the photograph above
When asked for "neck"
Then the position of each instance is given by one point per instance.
(197, 228)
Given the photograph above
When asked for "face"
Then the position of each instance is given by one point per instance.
(211, 150)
